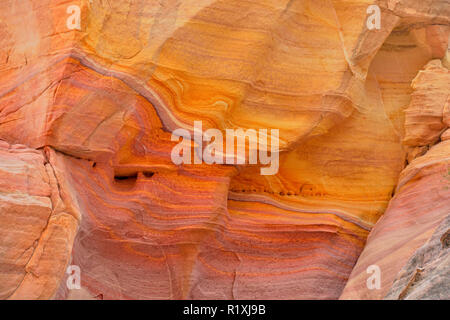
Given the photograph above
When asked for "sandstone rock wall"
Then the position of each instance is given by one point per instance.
(86, 176)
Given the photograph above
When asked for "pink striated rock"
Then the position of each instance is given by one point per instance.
(427, 273)
(36, 232)
(421, 202)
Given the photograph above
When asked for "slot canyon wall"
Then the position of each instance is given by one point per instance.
(87, 180)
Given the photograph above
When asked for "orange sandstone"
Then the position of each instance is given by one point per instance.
(86, 176)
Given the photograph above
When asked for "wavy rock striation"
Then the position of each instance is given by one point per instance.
(86, 176)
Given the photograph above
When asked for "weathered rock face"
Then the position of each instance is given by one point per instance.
(37, 229)
(92, 183)
(421, 202)
(426, 116)
(25, 208)
(426, 275)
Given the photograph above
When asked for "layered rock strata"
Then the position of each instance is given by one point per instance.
(86, 177)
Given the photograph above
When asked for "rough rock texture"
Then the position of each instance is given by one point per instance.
(37, 230)
(426, 275)
(427, 114)
(421, 202)
(95, 186)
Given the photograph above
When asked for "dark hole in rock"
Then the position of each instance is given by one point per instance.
(126, 177)
(148, 174)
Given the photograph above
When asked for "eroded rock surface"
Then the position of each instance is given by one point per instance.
(426, 275)
(37, 229)
(86, 176)
(421, 201)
